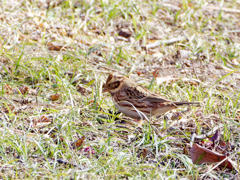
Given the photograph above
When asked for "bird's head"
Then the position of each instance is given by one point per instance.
(114, 83)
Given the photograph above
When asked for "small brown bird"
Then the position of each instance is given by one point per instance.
(136, 101)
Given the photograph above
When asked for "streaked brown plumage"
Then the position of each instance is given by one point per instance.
(129, 96)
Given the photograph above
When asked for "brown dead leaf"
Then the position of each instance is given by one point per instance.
(78, 143)
(155, 73)
(55, 97)
(42, 122)
(201, 155)
(125, 33)
(144, 153)
(139, 73)
(56, 47)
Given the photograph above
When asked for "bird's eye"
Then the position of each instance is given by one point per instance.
(114, 85)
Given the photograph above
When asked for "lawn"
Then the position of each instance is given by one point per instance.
(55, 56)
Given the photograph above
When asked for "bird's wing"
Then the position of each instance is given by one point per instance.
(143, 94)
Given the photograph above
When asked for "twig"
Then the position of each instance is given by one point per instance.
(167, 42)
(222, 8)
(225, 159)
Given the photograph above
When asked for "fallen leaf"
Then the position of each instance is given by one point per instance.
(144, 153)
(166, 42)
(125, 33)
(55, 97)
(202, 155)
(42, 122)
(53, 47)
(155, 73)
(139, 73)
(78, 143)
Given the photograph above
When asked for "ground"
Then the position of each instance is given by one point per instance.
(56, 55)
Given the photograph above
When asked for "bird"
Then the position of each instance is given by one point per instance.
(136, 101)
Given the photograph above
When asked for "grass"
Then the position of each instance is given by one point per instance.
(88, 32)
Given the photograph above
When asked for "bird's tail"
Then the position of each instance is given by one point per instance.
(187, 103)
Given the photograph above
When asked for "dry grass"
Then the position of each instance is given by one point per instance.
(69, 47)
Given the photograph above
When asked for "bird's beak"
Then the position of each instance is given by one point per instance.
(104, 88)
